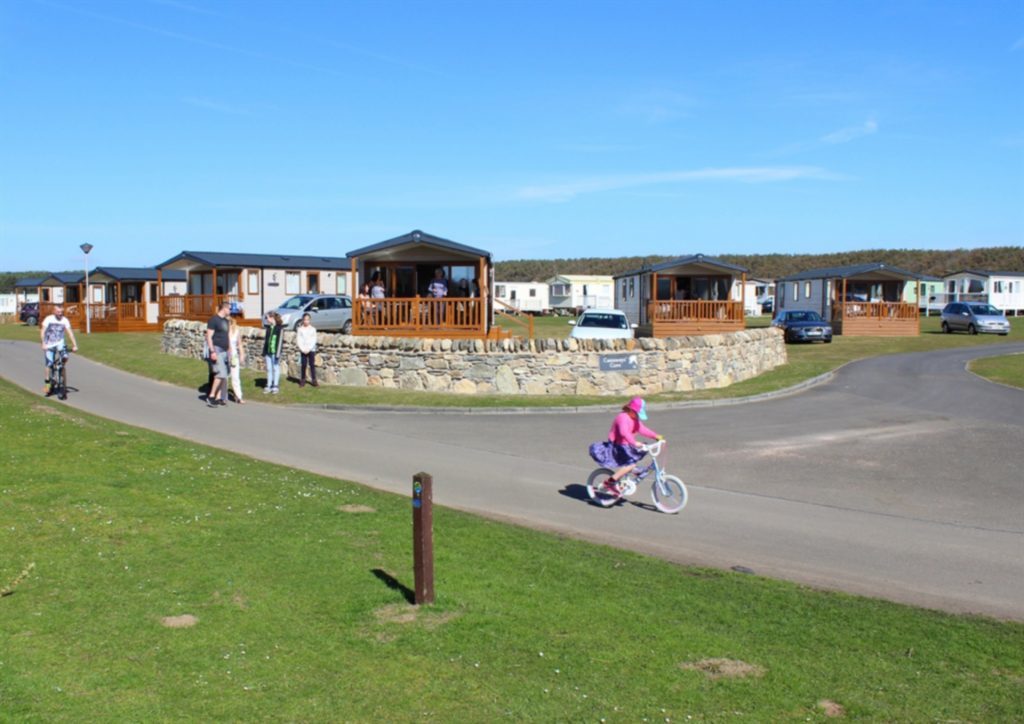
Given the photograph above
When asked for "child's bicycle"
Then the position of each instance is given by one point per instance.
(668, 492)
(59, 375)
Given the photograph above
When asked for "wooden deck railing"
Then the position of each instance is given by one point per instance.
(694, 310)
(415, 315)
(111, 312)
(896, 311)
(193, 306)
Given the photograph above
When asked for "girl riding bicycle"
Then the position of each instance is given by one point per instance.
(620, 451)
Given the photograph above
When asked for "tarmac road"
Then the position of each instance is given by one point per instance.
(901, 478)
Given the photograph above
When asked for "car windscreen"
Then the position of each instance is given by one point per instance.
(296, 303)
(985, 309)
(805, 317)
(606, 321)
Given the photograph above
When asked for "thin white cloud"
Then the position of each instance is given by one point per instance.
(660, 106)
(850, 133)
(214, 105)
(598, 184)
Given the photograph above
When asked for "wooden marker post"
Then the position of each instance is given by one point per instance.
(423, 537)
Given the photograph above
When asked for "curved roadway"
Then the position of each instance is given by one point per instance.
(901, 478)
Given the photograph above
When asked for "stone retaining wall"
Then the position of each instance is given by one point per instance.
(517, 367)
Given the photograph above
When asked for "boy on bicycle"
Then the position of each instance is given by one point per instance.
(620, 451)
(51, 336)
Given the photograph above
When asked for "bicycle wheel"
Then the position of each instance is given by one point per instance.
(62, 384)
(596, 490)
(669, 494)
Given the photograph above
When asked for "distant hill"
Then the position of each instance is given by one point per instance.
(772, 266)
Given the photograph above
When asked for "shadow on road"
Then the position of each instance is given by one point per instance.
(575, 491)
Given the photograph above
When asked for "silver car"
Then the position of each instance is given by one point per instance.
(328, 312)
(974, 317)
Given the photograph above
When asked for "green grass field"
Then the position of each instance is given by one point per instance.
(296, 584)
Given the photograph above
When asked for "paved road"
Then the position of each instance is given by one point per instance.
(901, 478)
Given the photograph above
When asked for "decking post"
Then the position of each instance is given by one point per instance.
(423, 537)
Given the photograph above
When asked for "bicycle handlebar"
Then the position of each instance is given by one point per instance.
(653, 449)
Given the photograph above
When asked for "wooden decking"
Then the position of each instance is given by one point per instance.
(693, 317)
(123, 317)
(449, 318)
(876, 319)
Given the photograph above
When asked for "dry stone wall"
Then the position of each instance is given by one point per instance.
(643, 366)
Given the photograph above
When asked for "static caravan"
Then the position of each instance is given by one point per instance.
(1004, 290)
(519, 297)
(403, 268)
(26, 290)
(64, 288)
(858, 300)
(255, 283)
(932, 294)
(755, 293)
(127, 299)
(690, 295)
(573, 293)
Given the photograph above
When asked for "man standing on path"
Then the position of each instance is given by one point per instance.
(217, 344)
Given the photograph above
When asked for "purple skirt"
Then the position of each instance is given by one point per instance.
(610, 455)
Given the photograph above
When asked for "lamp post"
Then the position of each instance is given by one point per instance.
(86, 248)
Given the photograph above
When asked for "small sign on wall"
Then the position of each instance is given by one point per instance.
(619, 362)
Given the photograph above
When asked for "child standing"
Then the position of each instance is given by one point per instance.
(620, 451)
(272, 343)
(305, 340)
(236, 358)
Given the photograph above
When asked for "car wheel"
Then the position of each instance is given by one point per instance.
(31, 321)
(347, 327)
(971, 329)
(945, 328)
(828, 341)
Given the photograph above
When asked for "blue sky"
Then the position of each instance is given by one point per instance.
(533, 129)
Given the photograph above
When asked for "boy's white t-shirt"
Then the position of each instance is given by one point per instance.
(53, 331)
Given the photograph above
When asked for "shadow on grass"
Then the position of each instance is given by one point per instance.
(395, 585)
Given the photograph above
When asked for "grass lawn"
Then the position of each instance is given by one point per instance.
(295, 581)
(1006, 369)
(140, 353)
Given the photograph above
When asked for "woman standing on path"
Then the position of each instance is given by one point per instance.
(272, 343)
(305, 340)
(236, 358)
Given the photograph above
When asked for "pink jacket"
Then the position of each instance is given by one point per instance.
(625, 429)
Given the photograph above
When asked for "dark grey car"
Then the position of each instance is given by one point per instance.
(802, 325)
(328, 312)
(974, 317)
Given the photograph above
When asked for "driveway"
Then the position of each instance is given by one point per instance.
(900, 478)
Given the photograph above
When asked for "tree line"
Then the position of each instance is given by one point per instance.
(772, 266)
(763, 266)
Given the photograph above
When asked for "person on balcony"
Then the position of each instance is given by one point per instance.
(438, 289)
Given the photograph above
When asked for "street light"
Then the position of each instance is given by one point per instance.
(86, 248)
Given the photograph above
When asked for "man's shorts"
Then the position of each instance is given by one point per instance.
(219, 366)
(50, 354)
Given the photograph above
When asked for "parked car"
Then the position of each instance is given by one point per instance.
(803, 326)
(974, 317)
(767, 304)
(29, 313)
(602, 324)
(328, 311)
